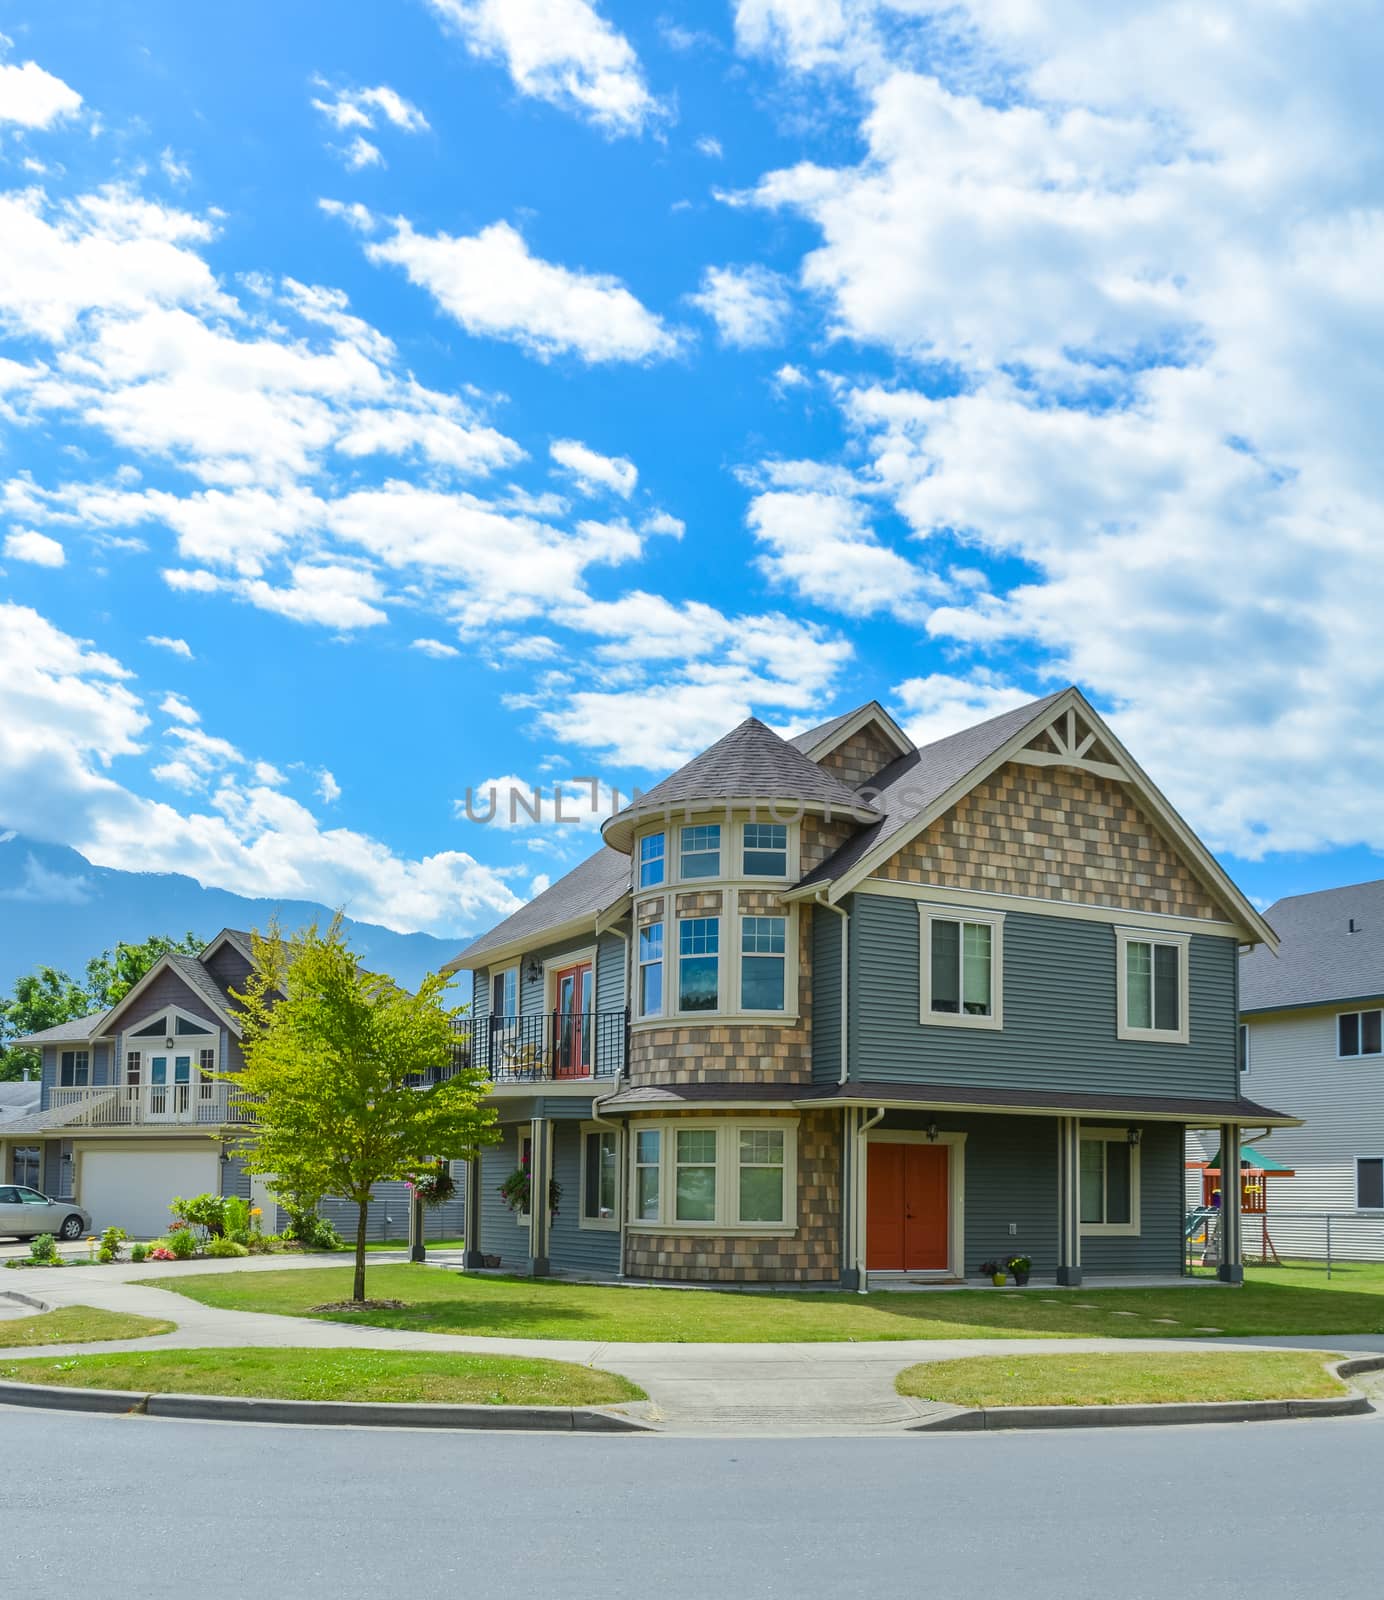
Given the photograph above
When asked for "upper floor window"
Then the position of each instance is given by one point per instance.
(1369, 1183)
(651, 860)
(1152, 999)
(651, 970)
(765, 853)
(504, 994)
(1109, 1182)
(1358, 1033)
(133, 1063)
(763, 962)
(74, 1069)
(700, 851)
(1242, 1047)
(963, 963)
(699, 963)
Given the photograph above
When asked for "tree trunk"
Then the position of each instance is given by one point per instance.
(358, 1287)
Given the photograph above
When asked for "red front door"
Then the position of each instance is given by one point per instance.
(907, 1200)
(573, 1022)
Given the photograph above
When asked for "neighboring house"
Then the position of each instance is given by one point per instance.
(20, 1099)
(130, 1115)
(1310, 1036)
(834, 1005)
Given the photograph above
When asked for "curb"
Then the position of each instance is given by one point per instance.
(988, 1419)
(323, 1413)
(24, 1300)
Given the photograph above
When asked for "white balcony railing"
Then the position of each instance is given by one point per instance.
(154, 1105)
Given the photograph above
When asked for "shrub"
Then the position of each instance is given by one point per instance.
(160, 1252)
(111, 1241)
(205, 1211)
(226, 1247)
(138, 1253)
(310, 1230)
(43, 1251)
(183, 1243)
(235, 1216)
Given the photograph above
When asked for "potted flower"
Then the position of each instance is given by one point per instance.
(515, 1190)
(433, 1187)
(1020, 1266)
(996, 1271)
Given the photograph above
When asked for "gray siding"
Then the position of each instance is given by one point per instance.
(388, 1216)
(234, 1178)
(610, 973)
(229, 968)
(826, 996)
(501, 1235)
(99, 1068)
(572, 1248)
(168, 989)
(1011, 1177)
(1059, 1012)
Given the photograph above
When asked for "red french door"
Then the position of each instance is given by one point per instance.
(906, 1207)
(573, 1022)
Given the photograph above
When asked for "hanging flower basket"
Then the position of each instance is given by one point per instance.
(515, 1191)
(433, 1187)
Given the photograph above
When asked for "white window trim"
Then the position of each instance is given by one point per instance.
(791, 873)
(1359, 1055)
(552, 965)
(732, 863)
(638, 865)
(728, 835)
(637, 998)
(1132, 1228)
(790, 965)
(994, 920)
(609, 1224)
(636, 1167)
(727, 1133)
(522, 1131)
(956, 1198)
(1367, 1211)
(502, 972)
(1181, 942)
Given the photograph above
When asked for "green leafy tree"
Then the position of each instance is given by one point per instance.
(336, 1061)
(42, 999)
(111, 975)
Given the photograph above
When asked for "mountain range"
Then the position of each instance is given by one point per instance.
(57, 909)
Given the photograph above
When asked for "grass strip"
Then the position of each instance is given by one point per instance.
(78, 1325)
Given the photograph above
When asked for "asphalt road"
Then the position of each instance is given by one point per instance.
(136, 1509)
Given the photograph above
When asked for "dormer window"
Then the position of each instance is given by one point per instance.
(651, 860)
(701, 851)
(766, 850)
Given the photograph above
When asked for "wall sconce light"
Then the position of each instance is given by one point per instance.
(932, 1133)
(534, 970)
(168, 1044)
(1135, 1135)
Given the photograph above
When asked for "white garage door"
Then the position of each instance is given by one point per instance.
(131, 1189)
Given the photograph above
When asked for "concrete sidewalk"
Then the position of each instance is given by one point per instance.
(808, 1389)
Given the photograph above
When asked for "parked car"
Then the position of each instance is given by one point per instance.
(25, 1213)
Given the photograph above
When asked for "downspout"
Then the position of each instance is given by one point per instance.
(845, 916)
(862, 1282)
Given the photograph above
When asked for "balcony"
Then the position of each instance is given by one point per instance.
(155, 1105)
(551, 1047)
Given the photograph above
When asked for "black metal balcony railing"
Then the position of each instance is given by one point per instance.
(551, 1047)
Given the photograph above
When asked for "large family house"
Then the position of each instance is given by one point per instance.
(836, 1009)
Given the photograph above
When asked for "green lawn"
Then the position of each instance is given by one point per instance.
(1118, 1379)
(78, 1325)
(395, 1376)
(444, 1301)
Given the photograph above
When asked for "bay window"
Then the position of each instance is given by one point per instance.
(714, 1177)
(651, 970)
(1152, 986)
(651, 860)
(962, 968)
(765, 851)
(763, 963)
(699, 963)
(700, 851)
(1109, 1182)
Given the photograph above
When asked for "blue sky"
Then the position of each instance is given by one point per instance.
(397, 399)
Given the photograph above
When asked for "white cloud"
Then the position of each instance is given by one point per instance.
(582, 802)
(328, 789)
(494, 287)
(26, 545)
(821, 545)
(710, 147)
(173, 705)
(360, 153)
(331, 594)
(33, 98)
(71, 727)
(593, 472)
(362, 108)
(938, 704)
(560, 51)
(177, 647)
(435, 648)
(749, 305)
(174, 170)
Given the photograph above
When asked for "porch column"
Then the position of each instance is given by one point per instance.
(1069, 1201)
(471, 1256)
(539, 1173)
(1231, 1268)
